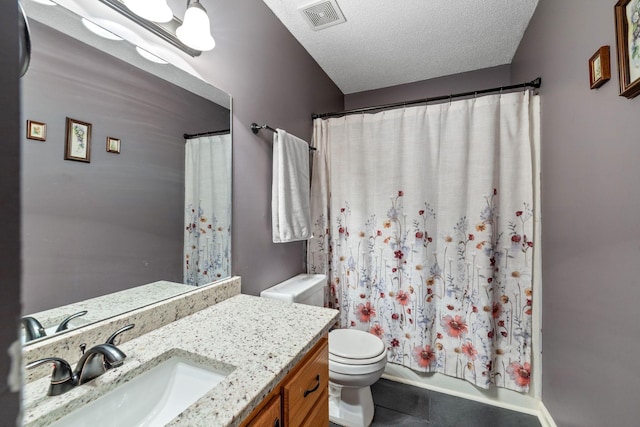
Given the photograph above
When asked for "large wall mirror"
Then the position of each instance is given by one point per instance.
(103, 174)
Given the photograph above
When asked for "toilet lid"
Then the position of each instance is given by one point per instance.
(354, 344)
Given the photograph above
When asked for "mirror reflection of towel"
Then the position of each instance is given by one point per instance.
(290, 207)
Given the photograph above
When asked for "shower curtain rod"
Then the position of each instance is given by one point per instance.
(255, 128)
(536, 83)
(213, 132)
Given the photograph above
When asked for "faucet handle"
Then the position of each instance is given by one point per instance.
(64, 325)
(113, 336)
(62, 378)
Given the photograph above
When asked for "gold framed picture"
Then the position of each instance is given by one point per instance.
(36, 130)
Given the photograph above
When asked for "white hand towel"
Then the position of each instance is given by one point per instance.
(290, 203)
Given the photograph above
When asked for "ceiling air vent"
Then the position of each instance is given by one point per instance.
(322, 14)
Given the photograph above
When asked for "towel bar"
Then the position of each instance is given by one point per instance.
(255, 128)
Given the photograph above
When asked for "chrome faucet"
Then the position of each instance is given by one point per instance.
(93, 363)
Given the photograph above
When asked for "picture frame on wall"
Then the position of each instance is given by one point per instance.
(599, 67)
(113, 145)
(36, 130)
(627, 14)
(78, 141)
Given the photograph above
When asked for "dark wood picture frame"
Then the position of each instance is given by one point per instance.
(36, 130)
(78, 141)
(600, 67)
(628, 50)
(113, 145)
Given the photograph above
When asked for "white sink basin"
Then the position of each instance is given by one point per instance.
(153, 398)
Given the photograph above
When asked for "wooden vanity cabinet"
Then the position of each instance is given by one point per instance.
(319, 415)
(270, 415)
(301, 398)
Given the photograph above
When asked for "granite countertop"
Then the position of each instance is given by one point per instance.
(260, 339)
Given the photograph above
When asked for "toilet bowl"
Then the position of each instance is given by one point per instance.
(356, 358)
(356, 361)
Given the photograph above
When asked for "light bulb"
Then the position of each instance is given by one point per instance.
(151, 10)
(195, 30)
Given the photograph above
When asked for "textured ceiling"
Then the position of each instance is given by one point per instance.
(387, 43)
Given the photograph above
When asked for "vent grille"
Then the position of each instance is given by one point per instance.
(322, 14)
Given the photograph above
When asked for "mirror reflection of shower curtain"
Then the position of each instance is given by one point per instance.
(207, 236)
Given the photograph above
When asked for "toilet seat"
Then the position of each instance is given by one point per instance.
(356, 348)
(358, 362)
(341, 368)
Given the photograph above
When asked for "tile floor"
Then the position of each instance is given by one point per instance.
(407, 406)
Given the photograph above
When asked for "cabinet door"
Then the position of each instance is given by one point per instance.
(269, 416)
(306, 386)
(319, 415)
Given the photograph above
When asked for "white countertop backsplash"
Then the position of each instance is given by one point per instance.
(260, 339)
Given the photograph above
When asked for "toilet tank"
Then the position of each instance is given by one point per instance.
(303, 289)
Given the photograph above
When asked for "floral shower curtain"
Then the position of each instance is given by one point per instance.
(207, 236)
(423, 223)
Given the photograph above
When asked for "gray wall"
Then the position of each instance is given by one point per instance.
(590, 209)
(590, 194)
(97, 228)
(458, 83)
(9, 202)
(272, 80)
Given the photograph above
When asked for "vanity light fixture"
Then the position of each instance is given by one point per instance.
(151, 10)
(168, 31)
(195, 30)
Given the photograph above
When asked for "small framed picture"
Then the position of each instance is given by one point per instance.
(78, 141)
(628, 46)
(36, 130)
(113, 145)
(599, 68)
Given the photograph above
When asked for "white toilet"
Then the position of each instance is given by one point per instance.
(356, 359)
